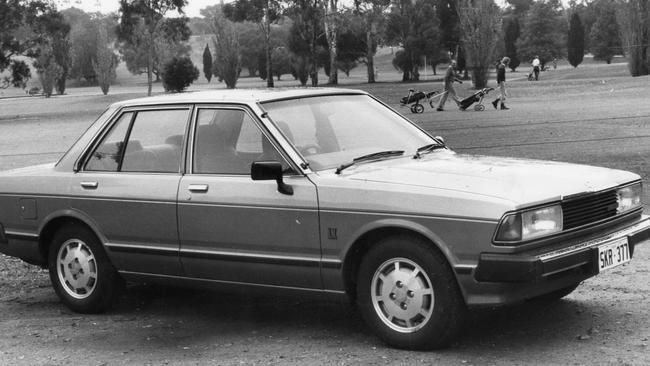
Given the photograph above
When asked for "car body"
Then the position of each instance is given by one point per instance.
(322, 191)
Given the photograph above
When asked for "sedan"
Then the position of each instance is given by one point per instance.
(313, 191)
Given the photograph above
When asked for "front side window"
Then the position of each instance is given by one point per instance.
(332, 130)
(228, 141)
(144, 141)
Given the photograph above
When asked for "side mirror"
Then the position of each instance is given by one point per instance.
(439, 138)
(270, 170)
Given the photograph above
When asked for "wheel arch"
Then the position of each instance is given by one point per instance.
(381, 230)
(54, 222)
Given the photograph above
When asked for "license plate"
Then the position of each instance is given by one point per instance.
(613, 254)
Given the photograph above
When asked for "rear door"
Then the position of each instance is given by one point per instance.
(237, 230)
(128, 188)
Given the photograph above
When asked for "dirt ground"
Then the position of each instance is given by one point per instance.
(606, 321)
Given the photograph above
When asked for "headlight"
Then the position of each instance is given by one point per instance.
(530, 224)
(629, 197)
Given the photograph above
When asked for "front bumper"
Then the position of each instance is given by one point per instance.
(577, 257)
(500, 279)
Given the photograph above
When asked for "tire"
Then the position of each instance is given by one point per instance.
(479, 107)
(408, 295)
(555, 295)
(418, 108)
(80, 272)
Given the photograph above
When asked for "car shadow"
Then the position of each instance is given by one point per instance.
(194, 314)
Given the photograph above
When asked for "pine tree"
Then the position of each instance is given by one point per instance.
(575, 41)
(207, 63)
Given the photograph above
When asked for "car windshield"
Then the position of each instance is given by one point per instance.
(333, 130)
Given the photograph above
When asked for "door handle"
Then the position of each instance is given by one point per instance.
(198, 188)
(89, 185)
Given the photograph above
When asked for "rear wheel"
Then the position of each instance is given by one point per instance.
(80, 271)
(418, 108)
(408, 294)
(479, 107)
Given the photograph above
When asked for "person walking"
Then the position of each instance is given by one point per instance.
(501, 80)
(536, 64)
(450, 77)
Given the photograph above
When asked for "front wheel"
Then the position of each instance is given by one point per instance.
(408, 294)
(418, 108)
(80, 271)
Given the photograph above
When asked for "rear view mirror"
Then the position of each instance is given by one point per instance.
(270, 170)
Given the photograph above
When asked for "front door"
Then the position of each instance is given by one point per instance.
(237, 230)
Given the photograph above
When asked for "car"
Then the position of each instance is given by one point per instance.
(320, 191)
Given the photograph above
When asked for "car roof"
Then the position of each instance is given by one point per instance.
(237, 96)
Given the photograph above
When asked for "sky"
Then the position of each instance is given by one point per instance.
(106, 6)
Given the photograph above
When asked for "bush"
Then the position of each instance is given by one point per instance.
(179, 73)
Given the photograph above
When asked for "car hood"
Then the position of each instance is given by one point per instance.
(524, 182)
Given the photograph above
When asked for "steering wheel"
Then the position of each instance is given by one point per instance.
(310, 149)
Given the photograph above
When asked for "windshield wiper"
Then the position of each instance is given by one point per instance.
(373, 156)
(427, 149)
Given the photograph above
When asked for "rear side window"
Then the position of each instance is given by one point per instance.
(146, 141)
(108, 155)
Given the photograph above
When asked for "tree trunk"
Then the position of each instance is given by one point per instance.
(150, 54)
(331, 34)
(370, 57)
(313, 73)
(267, 45)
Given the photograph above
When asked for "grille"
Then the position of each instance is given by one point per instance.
(586, 210)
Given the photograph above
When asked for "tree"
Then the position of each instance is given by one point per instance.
(511, 33)
(543, 32)
(168, 42)
(450, 32)
(351, 45)
(106, 61)
(179, 73)
(263, 12)
(371, 15)
(575, 41)
(146, 16)
(50, 32)
(281, 59)
(48, 70)
(605, 41)
(481, 26)
(305, 40)
(207, 63)
(51, 28)
(634, 22)
(414, 26)
(227, 51)
(279, 48)
(331, 27)
(83, 39)
(253, 48)
(19, 38)
(587, 13)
